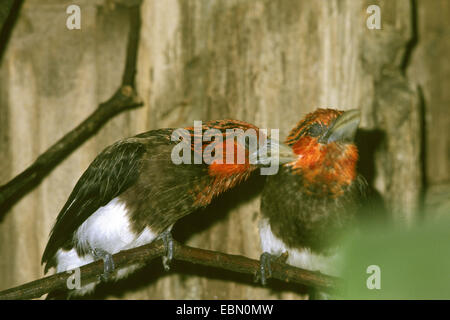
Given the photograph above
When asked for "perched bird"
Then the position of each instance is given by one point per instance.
(135, 190)
(314, 198)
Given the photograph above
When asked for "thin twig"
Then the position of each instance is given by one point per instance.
(146, 253)
(9, 12)
(125, 98)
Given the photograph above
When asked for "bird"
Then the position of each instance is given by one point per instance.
(136, 189)
(314, 199)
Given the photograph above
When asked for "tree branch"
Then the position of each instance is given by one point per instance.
(125, 98)
(9, 11)
(146, 253)
(5, 9)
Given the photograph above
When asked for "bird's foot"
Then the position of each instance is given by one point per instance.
(166, 236)
(265, 270)
(283, 257)
(266, 259)
(108, 263)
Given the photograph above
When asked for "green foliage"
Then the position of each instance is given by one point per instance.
(414, 263)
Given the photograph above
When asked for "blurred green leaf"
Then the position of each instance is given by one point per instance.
(414, 263)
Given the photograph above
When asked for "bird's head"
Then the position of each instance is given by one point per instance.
(326, 156)
(243, 149)
(234, 149)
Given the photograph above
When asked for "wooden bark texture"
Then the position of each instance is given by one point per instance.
(266, 62)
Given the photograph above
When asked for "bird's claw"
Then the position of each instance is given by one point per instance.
(265, 270)
(168, 244)
(108, 263)
(283, 257)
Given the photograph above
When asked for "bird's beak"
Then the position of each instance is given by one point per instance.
(272, 152)
(344, 128)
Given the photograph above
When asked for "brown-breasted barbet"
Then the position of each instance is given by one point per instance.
(137, 188)
(312, 200)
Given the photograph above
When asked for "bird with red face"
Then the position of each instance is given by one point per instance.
(315, 198)
(136, 189)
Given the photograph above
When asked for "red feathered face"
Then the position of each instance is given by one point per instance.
(313, 125)
(327, 156)
(228, 156)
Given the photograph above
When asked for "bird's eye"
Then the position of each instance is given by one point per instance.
(315, 130)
